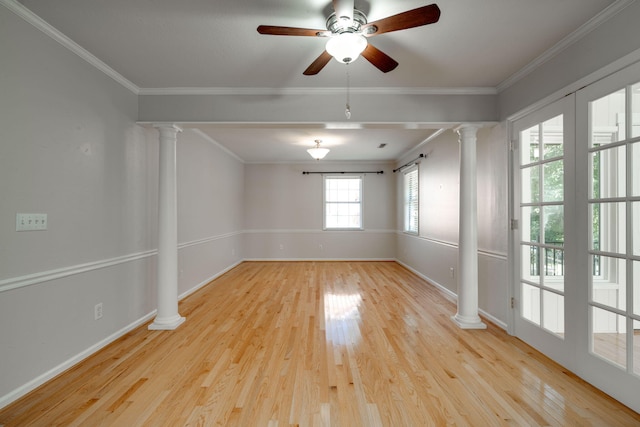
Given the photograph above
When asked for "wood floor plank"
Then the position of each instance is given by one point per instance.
(317, 344)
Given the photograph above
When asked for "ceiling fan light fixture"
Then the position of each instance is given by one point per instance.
(317, 152)
(346, 47)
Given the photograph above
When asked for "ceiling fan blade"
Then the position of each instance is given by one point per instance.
(275, 30)
(344, 9)
(318, 64)
(381, 60)
(410, 19)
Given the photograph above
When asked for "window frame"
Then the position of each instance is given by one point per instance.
(328, 177)
(408, 203)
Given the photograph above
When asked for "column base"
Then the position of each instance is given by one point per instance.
(468, 323)
(166, 324)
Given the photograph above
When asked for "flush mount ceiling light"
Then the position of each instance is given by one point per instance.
(317, 152)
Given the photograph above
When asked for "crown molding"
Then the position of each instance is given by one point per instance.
(216, 144)
(266, 91)
(563, 44)
(33, 19)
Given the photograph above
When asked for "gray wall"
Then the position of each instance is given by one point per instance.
(71, 148)
(609, 42)
(434, 252)
(210, 206)
(283, 214)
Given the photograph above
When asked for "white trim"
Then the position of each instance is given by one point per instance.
(337, 177)
(484, 252)
(318, 259)
(209, 280)
(267, 91)
(333, 162)
(429, 239)
(316, 231)
(216, 143)
(493, 254)
(600, 74)
(33, 19)
(45, 276)
(428, 139)
(41, 379)
(452, 296)
(314, 125)
(59, 273)
(563, 44)
(208, 239)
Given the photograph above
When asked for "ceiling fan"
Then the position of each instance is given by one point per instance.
(348, 31)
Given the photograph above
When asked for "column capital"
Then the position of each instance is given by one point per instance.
(466, 129)
(167, 126)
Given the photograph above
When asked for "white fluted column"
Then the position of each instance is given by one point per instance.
(167, 317)
(467, 315)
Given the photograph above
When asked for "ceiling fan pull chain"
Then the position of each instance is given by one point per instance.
(347, 111)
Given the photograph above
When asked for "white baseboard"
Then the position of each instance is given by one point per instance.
(207, 281)
(452, 296)
(38, 381)
(41, 379)
(318, 259)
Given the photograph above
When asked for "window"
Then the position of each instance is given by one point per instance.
(343, 202)
(411, 202)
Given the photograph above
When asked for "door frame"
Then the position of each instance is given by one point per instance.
(558, 349)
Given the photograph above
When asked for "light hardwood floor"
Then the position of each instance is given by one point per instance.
(318, 343)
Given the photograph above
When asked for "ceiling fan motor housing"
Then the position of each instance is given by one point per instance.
(338, 25)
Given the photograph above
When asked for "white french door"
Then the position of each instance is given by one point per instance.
(576, 244)
(543, 151)
(608, 153)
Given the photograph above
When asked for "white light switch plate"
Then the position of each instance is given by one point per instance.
(31, 221)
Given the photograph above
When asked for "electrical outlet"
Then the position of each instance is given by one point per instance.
(97, 311)
(31, 221)
(281, 246)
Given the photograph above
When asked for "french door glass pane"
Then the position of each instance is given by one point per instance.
(634, 152)
(608, 227)
(636, 347)
(635, 226)
(608, 172)
(554, 268)
(531, 258)
(552, 134)
(636, 288)
(553, 318)
(610, 288)
(635, 110)
(530, 192)
(608, 336)
(530, 230)
(553, 217)
(608, 119)
(553, 190)
(530, 145)
(530, 308)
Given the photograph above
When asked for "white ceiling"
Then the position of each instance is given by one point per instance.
(214, 44)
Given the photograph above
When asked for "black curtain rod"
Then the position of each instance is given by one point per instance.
(334, 173)
(410, 163)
